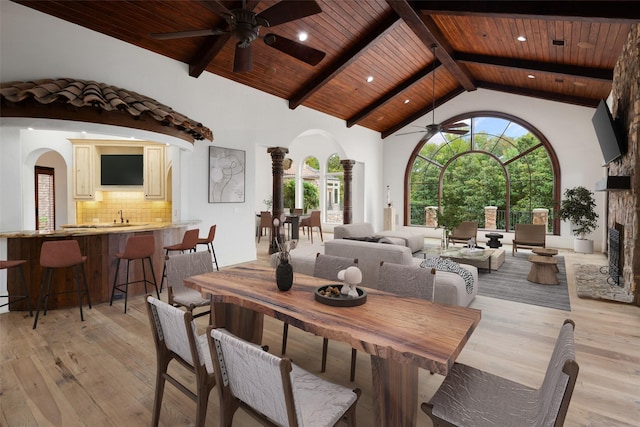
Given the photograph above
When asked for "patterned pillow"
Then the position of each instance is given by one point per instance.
(445, 264)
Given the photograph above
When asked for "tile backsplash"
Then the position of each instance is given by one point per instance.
(132, 203)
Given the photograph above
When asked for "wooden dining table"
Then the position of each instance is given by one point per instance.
(401, 334)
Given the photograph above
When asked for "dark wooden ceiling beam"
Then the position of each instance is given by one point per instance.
(533, 66)
(549, 96)
(428, 32)
(369, 109)
(598, 11)
(420, 113)
(347, 58)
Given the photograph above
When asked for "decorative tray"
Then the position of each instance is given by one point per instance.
(340, 300)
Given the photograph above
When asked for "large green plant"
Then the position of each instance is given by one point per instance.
(310, 195)
(578, 207)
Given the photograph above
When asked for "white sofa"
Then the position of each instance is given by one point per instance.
(411, 238)
(450, 287)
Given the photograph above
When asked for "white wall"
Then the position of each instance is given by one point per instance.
(567, 127)
(36, 46)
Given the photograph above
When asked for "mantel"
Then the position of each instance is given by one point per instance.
(614, 183)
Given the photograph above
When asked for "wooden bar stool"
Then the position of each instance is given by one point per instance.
(61, 254)
(137, 247)
(209, 242)
(189, 242)
(5, 265)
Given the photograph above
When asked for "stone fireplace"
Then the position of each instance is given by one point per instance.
(623, 206)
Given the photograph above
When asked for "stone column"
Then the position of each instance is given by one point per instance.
(431, 216)
(277, 170)
(541, 216)
(347, 212)
(490, 217)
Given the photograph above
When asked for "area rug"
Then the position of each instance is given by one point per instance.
(510, 283)
(591, 283)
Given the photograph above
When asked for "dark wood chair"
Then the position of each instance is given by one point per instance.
(463, 232)
(311, 222)
(266, 222)
(528, 236)
(469, 397)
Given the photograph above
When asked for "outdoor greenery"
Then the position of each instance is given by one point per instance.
(578, 207)
(475, 177)
(310, 194)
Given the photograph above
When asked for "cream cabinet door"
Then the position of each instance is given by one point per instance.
(154, 168)
(83, 172)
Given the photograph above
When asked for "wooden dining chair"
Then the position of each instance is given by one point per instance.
(174, 335)
(311, 222)
(470, 397)
(266, 224)
(325, 267)
(273, 390)
(181, 266)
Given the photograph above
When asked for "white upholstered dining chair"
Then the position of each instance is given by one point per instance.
(272, 389)
(181, 266)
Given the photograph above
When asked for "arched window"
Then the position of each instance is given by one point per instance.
(502, 161)
(335, 190)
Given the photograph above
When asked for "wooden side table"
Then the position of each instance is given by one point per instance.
(548, 253)
(542, 270)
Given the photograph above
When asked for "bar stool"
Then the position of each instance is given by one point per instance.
(189, 242)
(61, 254)
(137, 247)
(209, 242)
(5, 265)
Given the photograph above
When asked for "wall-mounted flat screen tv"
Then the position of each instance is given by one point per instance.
(612, 145)
(121, 169)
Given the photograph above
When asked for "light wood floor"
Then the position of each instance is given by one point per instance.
(101, 372)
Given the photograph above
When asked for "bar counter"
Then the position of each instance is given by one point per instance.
(99, 243)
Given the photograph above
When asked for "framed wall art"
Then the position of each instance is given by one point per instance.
(226, 175)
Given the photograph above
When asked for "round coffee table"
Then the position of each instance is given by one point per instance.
(494, 241)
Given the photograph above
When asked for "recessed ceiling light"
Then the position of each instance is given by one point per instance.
(531, 76)
(521, 39)
(369, 79)
(302, 36)
(406, 101)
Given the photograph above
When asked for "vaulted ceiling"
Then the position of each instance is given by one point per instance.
(411, 49)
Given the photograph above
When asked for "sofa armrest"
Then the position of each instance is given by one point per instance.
(450, 287)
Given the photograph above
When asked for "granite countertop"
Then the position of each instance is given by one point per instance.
(97, 228)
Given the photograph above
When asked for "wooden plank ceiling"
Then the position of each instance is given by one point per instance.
(570, 50)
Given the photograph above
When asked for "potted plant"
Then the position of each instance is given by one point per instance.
(578, 207)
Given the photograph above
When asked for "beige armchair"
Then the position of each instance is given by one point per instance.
(528, 236)
(463, 232)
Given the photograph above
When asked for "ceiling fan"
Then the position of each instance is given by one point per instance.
(244, 25)
(459, 128)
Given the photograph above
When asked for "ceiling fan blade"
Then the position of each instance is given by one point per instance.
(184, 34)
(410, 133)
(217, 8)
(456, 131)
(289, 10)
(457, 125)
(428, 135)
(243, 59)
(292, 48)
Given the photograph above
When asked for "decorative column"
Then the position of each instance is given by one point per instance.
(431, 216)
(347, 212)
(490, 217)
(277, 170)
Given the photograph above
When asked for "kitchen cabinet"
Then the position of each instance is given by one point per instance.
(154, 171)
(84, 172)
